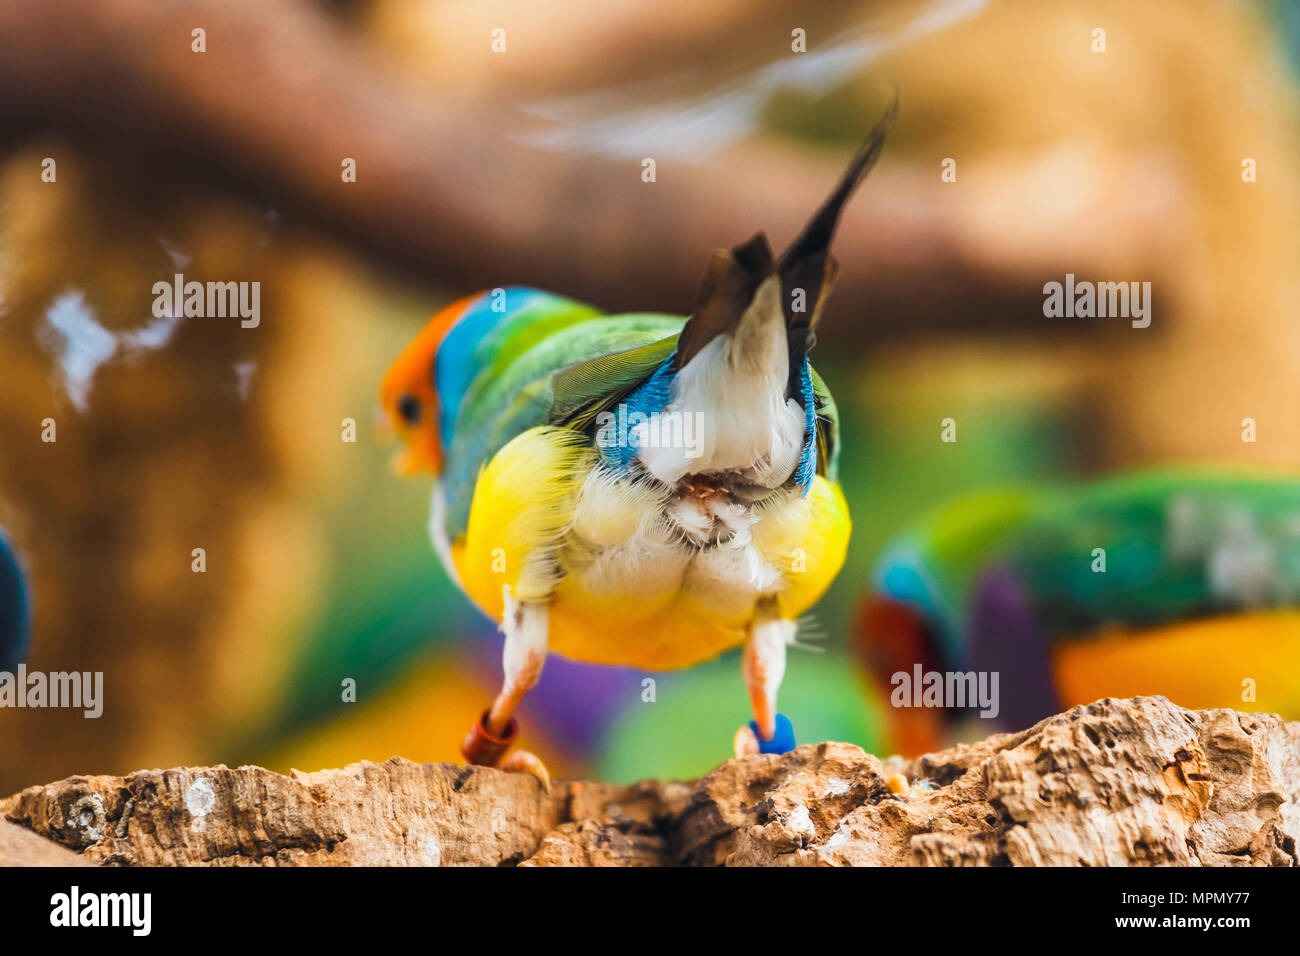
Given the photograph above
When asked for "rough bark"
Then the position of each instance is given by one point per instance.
(19, 847)
(1120, 782)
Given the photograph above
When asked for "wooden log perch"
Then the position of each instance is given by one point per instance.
(1120, 782)
(19, 847)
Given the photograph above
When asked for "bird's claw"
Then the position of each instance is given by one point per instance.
(525, 761)
(485, 749)
(780, 739)
(745, 742)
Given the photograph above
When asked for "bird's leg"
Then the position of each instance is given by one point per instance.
(763, 665)
(524, 625)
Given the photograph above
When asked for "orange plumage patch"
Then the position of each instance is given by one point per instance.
(409, 385)
(1247, 661)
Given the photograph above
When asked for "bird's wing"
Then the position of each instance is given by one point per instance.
(562, 378)
(583, 390)
(484, 340)
(828, 428)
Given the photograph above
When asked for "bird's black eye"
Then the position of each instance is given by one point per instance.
(408, 406)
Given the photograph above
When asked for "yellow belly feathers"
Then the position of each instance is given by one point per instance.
(622, 586)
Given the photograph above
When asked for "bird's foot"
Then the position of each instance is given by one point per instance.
(485, 749)
(525, 761)
(748, 741)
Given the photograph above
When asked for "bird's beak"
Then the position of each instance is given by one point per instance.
(419, 451)
(419, 455)
(402, 463)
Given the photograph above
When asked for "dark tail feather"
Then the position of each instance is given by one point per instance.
(816, 236)
(727, 288)
(732, 278)
(807, 264)
(13, 609)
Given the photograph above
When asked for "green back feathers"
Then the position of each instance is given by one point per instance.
(508, 399)
(484, 339)
(584, 390)
(828, 429)
(1174, 545)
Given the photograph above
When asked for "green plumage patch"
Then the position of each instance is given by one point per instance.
(828, 429)
(503, 402)
(1134, 551)
(585, 389)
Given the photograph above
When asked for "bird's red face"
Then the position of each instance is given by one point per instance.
(410, 401)
(894, 636)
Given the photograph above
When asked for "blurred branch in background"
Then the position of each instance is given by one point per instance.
(445, 193)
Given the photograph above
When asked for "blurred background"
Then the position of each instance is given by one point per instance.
(477, 169)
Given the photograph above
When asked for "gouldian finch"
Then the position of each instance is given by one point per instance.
(1184, 584)
(14, 608)
(639, 489)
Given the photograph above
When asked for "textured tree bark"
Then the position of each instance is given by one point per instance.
(19, 847)
(1120, 782)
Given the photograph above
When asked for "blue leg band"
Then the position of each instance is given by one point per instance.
(782, 740)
